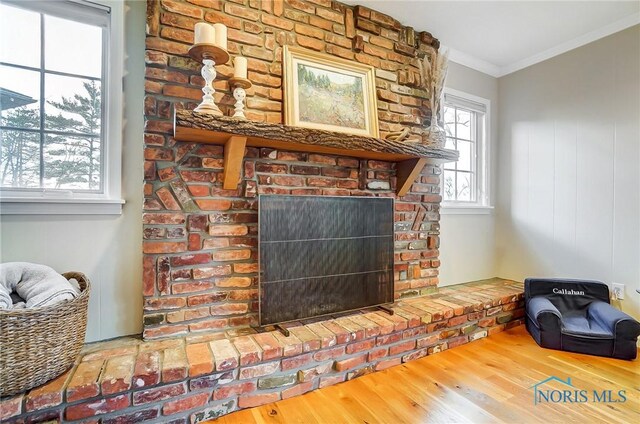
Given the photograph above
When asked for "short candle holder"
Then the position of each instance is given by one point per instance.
(209, 55)
(239, 85)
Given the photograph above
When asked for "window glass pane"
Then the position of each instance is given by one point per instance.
(72, 104)
(72, 162)
(464, 160)
(449, 185)
(463, 126)
(20, 159)
(450, 143)
(465, 132)
(463, 186)
(19, 36)
(450, 121)
(19, 97)
(72, 47)
(72, 146)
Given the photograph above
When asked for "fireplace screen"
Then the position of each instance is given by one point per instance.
(322, 255)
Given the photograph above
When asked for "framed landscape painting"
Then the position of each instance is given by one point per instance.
(329, 93)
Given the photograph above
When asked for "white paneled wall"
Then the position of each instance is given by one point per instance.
(569, 172)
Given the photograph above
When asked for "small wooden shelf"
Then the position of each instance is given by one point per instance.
(236, 134)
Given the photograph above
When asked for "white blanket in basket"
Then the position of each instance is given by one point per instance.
(39, 285)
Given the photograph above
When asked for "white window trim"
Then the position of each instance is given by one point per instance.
(483, 206)
(72, 206)
(456, 209)
(62, 202)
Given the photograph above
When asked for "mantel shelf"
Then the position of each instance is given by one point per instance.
(236, 134)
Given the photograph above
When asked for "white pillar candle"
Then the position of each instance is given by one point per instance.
(221, 35)
(205, 33)
(240, 67)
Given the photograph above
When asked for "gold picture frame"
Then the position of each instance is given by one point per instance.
(329, 93)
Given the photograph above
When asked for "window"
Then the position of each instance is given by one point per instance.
(464, 183)
(59, 89)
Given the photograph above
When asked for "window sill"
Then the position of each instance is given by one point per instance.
(41, 206)
(453, 209)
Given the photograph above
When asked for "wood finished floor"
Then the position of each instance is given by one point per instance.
(487, 381)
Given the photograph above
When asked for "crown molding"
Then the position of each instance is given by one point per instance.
(473, 62)
(496, 71)
(587, 38)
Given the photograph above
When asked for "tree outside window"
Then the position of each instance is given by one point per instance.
(460, 179)
(51, 102)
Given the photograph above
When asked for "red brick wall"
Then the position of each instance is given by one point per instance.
(200, 241)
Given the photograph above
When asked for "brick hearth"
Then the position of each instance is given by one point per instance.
(199, 377)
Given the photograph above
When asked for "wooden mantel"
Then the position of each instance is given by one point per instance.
(236, 134)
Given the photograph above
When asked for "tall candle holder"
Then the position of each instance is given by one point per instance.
(239, 85)
(209, 55)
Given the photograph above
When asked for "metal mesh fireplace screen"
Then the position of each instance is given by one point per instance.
(322, 255)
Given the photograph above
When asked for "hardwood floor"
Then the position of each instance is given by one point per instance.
(487, 381)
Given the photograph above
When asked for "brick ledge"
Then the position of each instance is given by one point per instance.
(195, 378)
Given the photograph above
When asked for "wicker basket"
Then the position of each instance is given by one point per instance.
(39, 344)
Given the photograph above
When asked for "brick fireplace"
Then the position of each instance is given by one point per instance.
(200, 240)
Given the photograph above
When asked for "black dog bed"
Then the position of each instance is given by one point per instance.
(576, 316)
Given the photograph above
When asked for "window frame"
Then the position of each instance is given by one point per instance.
(482, 166)
(51, 201)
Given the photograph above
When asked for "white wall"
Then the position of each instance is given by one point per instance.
(106, 248)
(467, 242)
(569, 180)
